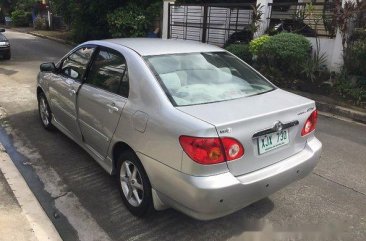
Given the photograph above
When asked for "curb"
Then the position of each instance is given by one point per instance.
(42, 36)
(354, 115)
(42, 226)
(53, 39)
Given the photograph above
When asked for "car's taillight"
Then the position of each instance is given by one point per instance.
(213, 150)
(233, 148)
(310, 123)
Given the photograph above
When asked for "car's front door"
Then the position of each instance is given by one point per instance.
(63, 89)
(101, 99)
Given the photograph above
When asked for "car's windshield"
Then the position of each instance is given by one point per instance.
(200, 78)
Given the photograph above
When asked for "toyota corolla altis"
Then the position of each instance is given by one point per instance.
(182, 124)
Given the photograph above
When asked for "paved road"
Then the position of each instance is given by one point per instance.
(83, 202)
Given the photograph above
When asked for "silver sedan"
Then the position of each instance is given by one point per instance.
(181, 124)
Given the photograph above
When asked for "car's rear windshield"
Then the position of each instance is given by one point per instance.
(200, 78)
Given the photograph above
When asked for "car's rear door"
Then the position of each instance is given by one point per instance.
(64, 86)
(101, 99)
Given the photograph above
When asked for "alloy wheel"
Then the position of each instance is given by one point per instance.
(43, 109)
(131, 183)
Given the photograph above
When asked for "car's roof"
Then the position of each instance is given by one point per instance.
(157, 46)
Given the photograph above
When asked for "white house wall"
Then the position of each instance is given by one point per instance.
(332, 49)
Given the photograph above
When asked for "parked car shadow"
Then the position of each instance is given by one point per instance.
(7, 71)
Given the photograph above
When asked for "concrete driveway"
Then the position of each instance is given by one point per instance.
(84, 204)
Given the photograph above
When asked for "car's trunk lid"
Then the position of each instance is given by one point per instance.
(245, 119)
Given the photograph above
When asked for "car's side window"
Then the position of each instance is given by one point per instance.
(75, 64)
(109, 72)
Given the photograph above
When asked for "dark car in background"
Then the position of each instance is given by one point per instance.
(4, 46)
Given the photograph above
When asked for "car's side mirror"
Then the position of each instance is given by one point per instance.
(2, 30)
(47, 67)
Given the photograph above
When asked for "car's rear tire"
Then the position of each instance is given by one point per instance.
(134, 184)
(44, 111)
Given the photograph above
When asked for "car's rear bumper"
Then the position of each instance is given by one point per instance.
(216, 196)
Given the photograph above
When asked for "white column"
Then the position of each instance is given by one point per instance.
(164, 32)
(49, 17)
(264, 19)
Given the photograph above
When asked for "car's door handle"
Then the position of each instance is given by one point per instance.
(113, 107)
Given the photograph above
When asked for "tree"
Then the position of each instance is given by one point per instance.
(64, 8)
(88, 18)
(10, 5)
(361, 14)
(133, 20)
(345, 14)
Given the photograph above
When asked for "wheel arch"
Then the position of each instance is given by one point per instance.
(121, 146)
(118, 148)
(39, 91)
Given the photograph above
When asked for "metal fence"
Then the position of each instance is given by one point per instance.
(208, 23)
(295, 17)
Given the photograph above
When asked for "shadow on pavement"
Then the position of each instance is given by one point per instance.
(7, 71)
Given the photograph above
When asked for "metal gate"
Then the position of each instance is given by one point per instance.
(208, 23)
(294, 18)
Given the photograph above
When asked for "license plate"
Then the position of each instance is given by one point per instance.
(272, 141)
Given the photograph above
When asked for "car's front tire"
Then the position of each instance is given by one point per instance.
(7, 56)
(134, 184)
(44, 111)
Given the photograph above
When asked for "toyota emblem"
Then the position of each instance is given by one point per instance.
(278, 126)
